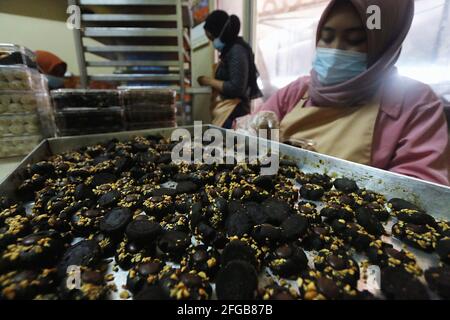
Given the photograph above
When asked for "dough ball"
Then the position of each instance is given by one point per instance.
(9, 75)
(32, 118)
(31, 128)
(5, 122)
(14, 108)
(16, 85)
(17, 129)
(5, 99)
(17, 120)
(20, 74)
(16, 98)
(29, 108)
(28, 99)
(8, 149)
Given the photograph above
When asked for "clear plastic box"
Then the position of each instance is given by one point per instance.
(19, 102)
(142, 97)
(18, 107)
(19, 125)
(149, 105)
(18, 146)
(11, 54)
(151, 125)
(18, 77)
(150, 114)
(80, 121)
(79, 98)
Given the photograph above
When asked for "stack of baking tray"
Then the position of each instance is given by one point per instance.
(24, 109)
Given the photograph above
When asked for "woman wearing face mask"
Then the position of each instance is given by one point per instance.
(355, 106)
(234, 85)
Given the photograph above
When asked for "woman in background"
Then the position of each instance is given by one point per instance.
(355, 106)
(53, 67)
(234, 84)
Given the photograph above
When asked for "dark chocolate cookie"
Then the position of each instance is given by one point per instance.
(144, 273)
(115, 221)
(236, 281)
(238, 224)
(109, 199)
(202, 259)
(438, 279)
(422, 237)
(186, 285)
(287, 261)
(174, 244)
(345, 185)
(397, 284)
(85, 253)
(25, 284)
(266, 234)
(443, 249)
(36, 250)
(400, 204)
(142, 230)
(312, 192)
(239, 250)
(276, 210)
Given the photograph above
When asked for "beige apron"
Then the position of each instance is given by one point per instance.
(221, 109)
(343, 132)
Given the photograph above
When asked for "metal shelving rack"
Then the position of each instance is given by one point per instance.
(145, 42)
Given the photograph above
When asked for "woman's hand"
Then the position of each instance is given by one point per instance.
(210, 82)
(204, 81)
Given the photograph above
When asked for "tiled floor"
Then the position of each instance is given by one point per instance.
(7, 166)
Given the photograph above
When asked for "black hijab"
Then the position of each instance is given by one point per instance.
(227, 27)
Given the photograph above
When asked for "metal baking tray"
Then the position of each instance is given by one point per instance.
(433, 198)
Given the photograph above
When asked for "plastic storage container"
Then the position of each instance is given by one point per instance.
(18, 146)
(143, 97)
(18, 107)
(19, 125)
(18, 102)
(149, 106)
(80, 121)
(17, 78)
(79, 98)
(11, 54)
(151, 125)
(150, 114)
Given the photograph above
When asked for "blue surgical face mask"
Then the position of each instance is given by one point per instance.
(218, 44)
(334, 66)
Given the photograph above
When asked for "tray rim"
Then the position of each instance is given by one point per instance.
(355, 170)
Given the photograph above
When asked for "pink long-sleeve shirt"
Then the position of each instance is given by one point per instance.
(411, 133)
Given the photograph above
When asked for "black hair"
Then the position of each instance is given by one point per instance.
(219, 20)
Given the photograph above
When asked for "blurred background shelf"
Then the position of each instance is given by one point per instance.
(142, 43)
